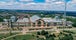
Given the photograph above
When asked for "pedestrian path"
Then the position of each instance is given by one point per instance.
(11, 36)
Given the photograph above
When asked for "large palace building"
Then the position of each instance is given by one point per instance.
(35, 22)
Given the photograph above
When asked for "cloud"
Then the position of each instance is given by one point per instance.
(5, 3)
(26, 0)
(48, 5)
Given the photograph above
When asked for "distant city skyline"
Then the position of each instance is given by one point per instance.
(57, 5)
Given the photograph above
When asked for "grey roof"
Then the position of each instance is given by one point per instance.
(23, 20)
(51, 20)
(12, 17)
(5, 20)
(34, 18)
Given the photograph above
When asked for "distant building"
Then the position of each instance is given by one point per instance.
(69, 23)
(13, 18)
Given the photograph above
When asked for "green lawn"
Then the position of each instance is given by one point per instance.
(31, 37)
(23, 37)
(3, 36)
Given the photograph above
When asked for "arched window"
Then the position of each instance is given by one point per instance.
(39, 23)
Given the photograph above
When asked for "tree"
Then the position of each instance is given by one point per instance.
(51, 38)
(38, 33)
(66, 37)
(46, 35)
(70, 37)
(1, 19)
(10, 32)
(43, 32)
(41, 39)
(74, 24)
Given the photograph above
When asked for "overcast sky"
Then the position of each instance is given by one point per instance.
(37, 5)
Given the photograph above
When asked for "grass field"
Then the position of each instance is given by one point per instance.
(30, 36)
(23, 37)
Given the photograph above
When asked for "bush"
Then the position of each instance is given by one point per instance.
(68, 31)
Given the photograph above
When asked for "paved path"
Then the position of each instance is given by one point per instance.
(9, 31)
(11, 36)
(37, 30)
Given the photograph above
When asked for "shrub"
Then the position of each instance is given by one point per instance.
(38, 33)
(68, 31)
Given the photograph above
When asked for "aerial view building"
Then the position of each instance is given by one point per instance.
(37, 20)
